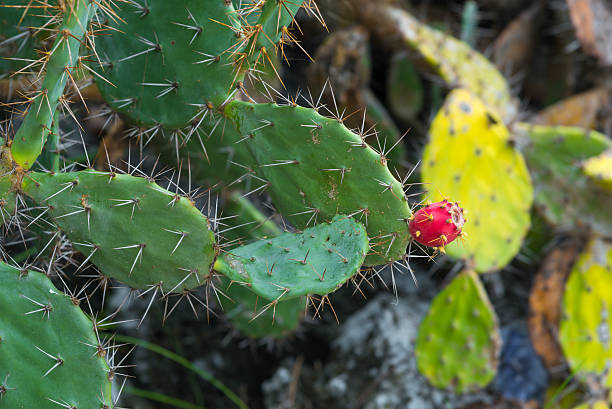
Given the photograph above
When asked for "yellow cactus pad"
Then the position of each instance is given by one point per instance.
(600, 404)
(587, 308)
(470, 159)
(458, 64)
(600, 168)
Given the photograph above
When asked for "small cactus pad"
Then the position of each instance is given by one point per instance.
(170, 62)
(132, 229)
(316, 261)
(437, 224)
(564, 195)
(453, 60)
(258, 318)
(585, 333)
(61, 61)
(316, 168)
(471, 159)
(49, 353)
(599, 168)
(458, 342)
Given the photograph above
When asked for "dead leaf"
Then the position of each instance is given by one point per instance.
(545, 302)
(581, 110)
(591, 19)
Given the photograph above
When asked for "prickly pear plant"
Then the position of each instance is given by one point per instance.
(584, 333)
(471, 158)
(458, 342)
(49, 353)
(291, 165)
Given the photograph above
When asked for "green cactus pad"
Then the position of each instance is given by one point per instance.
(183, 49)
(258, 318)
(564, 195)
(138, 232)
(456, 63)
(18, 29)
(458, 342)
(470, 159)
(585, 333)
(32, 134)
(599, 168)
(316, 261)
(316, 168)
(48, 349)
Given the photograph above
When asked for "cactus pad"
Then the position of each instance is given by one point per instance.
(171, 62)
(49, 353)
(458, 344)
(600, 404)
(469, 158)
(564, 195)
(316, 261)
(599, 168)
(132, 229)
(585, 333)
(456, 62)
(316, 168)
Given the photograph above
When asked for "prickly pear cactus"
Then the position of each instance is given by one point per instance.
(49, 354)
(170, 62)
(315, 168)
(599, 168)
(458, 342)
(564, 195)
(585, 333)
(470, 158)
(316, 261)
(131, 228)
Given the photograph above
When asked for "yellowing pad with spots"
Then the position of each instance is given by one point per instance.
(470, 159)
(459, 65)
(458, 342)
(587, 308)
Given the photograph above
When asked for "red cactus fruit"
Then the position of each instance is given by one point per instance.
(437, 224)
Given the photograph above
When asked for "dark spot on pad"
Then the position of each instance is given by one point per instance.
(465, 107)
